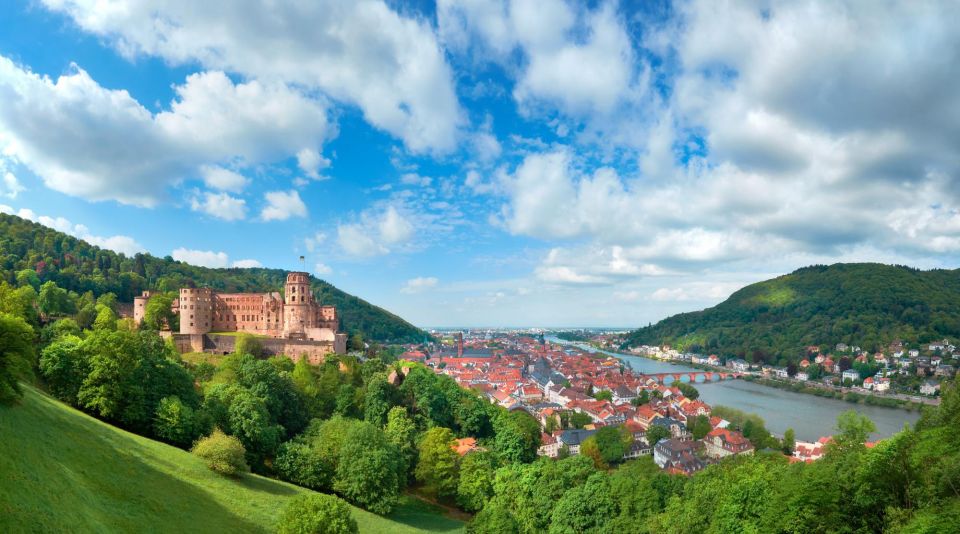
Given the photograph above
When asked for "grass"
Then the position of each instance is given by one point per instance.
(64, 471)
(203, 357)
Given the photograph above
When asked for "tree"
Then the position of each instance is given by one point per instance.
(64, 366)
(355, 342)
(688, 390)
(789, 441)
(642, 399)
(578, 420)
(854, 429)
(16, 355)
(437, 465)
(613, 442)
(701, 426)
(401, 432)
(317, 514)
(517, 436)
(158, 313)
(106, 318)
(369, 469)
(248, 344)
(222, 453)
(54, 300)
(657, 432)
(28, 277)
(176, 422)
(379, 397)
(475, 486)
(591, 449)
(585, 508)
(604, 395)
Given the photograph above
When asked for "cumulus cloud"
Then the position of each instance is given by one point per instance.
(281, 205)
(322, 269)
(419, 284)
(313, 242)
(362, 53)
(11, 186)
(203, 258)
(223, 179)
(376, 233)
(246, 264)
(101, 144)
(311, 163)
(220, 205)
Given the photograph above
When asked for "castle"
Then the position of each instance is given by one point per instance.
(295, 320)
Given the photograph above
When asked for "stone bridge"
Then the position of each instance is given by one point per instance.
(692, 377)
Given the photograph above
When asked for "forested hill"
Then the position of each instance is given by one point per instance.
(864, 304)
(79, 266)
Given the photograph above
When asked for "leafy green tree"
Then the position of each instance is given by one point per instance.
(369, 469)
(641, 399)
(688, 390)
(21, 302)
(585, 508)
(604, 395)
(158, 313)
(348, 401)
(64, 366)
(58, 329)
(854, 429)
(54, 300)
(401, 432)
(789, 441)
(222, 453)
(657, 432)
(475, 486)
(176, 423)
(302, 464)
(578, 420)
(16, 355)
(517, 436)
(248, 344)
(591, 449)
(317, 514)
(613, 442)
(28, 277)
(437, 467)
(700, 427)
(106, 318)
(494, 518)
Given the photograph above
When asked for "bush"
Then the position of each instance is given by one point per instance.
(317, 514)
(222, 453)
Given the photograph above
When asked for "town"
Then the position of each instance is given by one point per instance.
(574, 394)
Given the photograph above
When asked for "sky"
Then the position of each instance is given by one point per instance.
(492, 163)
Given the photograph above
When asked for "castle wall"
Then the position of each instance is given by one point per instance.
(196, 310)
(315, 351)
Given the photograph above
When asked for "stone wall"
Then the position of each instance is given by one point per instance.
(315, 351)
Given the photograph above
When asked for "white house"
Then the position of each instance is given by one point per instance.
(850, 374)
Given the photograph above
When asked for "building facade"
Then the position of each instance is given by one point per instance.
(295, 315)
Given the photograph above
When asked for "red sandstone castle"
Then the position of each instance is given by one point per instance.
(293, 316)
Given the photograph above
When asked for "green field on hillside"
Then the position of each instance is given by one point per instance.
(63, 471)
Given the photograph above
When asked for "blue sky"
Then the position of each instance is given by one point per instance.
(491, 163)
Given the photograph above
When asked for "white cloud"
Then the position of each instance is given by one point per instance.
(223, 179)
(311, 163)
(203, 258)
(246, 264)
(322, 269)
(220, 205)
(281, 205)
(378, 232)
(419, 285)
(415, 179)
(11, 186)
(361, 53)
(311, 243)
(88, 141)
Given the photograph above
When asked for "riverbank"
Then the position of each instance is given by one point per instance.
(853, 397)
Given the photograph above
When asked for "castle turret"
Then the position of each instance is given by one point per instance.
(140, 307)
(297, 305)
(196, 310)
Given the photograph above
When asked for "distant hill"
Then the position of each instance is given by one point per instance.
(64, 471)
(79, 266)
(863, 304)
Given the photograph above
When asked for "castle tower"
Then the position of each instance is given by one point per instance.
(297, 305)
(196, 310)
(140, 307)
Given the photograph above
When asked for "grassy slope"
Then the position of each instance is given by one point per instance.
(63, 471)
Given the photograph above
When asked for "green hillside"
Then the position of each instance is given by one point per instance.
(63, 471)
(79, 266)
(865, 304)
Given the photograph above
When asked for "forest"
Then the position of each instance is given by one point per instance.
(368, 429)
(80, 267)
(866, 305)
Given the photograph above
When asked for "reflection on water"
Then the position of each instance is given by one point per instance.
(810, 416)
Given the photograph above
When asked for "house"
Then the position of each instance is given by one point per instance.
(804, 363)
(781, 372)
(622, 394)
(677, 455)
(868, 383)
(677, 429)
(638, 448)
(572, 439)
(802, 376)
(465, 445)
(929, 388)
(850, 374)
(841, 347)
(721, 442)
(549, 445)
(946, 371)
(808, 452)
(738, 364)
(881, 384)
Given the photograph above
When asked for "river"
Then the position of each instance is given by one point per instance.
(810, 416)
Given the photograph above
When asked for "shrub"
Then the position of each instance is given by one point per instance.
(317, 514)
(222, 453)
